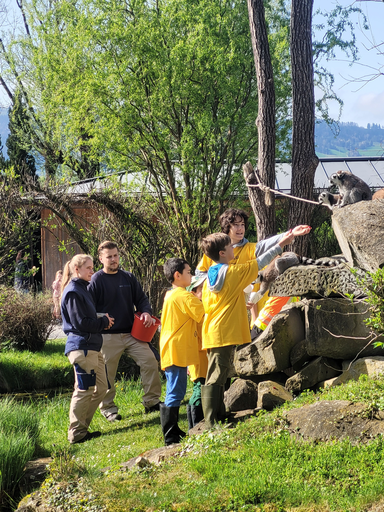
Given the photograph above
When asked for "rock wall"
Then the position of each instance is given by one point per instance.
(323, 339)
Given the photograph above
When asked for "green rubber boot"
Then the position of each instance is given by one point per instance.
(212, 401)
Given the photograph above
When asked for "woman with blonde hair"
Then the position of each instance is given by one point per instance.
(84, 340)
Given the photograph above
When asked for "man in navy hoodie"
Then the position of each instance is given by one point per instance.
(119, 293)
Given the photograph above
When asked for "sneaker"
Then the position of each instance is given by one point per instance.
(88, 436)
(153, 408)
(115, 416)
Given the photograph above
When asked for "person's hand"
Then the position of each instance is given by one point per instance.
(249, 305)
(147, 319)
(289, 237)
(301, 230)
(111, 321)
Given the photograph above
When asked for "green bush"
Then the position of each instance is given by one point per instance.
(25, 320)
(19, 431)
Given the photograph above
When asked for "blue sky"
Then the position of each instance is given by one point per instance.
(363, 102)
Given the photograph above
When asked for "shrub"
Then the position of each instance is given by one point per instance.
(19, 430)
(25, 320)
(373, 286)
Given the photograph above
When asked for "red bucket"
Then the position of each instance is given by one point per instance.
(142, 333)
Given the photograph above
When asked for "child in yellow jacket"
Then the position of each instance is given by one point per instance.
(197, 372)
(226, 322)
(182, 312)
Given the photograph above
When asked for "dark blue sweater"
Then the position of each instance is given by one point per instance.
(80, 322)
(118, 295)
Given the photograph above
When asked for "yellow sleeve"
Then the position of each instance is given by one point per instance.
(194, 308)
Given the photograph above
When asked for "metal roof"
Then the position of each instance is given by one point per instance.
(370, 170)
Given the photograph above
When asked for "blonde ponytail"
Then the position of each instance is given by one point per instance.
(69, 269)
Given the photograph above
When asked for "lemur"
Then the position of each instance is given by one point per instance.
(351, 188)
(330, 200)
(286, 260)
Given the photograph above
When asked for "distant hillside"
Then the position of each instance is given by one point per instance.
(352, 140)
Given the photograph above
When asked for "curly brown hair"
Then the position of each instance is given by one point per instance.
(229, 217)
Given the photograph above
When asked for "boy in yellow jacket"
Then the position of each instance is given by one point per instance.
(197, 372)
(226, 322)
(182, 312)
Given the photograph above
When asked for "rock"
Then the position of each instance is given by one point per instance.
(359, 230)
(335, 419)
(270, 351)
(371, 366)
(279, 377)
(231, 422)
(312, 282)
(155, 456)
(318, 370)
(335, 328)
(241, 395)
(271, 394)
(299, 355)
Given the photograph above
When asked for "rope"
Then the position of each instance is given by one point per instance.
(267, 189)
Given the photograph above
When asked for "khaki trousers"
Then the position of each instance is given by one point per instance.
(91, 385)
(219, 364)
(113, 347)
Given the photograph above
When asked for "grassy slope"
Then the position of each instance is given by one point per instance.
(28, 371)
(253, 467)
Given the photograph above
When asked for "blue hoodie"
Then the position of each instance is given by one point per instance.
(80, 322)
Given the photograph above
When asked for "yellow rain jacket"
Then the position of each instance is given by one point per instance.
(182, 311)
(197, 371)
(226, 320)
(242, 254)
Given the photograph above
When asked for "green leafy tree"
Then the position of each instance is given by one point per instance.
(166, 88)
(19, 144)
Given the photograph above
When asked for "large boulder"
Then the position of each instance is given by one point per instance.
(270, 351)
(335, 328)
(241, 395)
(318, 370)
(371, 366)
(315, 281)
(359, 229)
(271, 394)
(335, 419)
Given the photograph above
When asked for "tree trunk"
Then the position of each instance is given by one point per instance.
(304, 159)
(264, 213)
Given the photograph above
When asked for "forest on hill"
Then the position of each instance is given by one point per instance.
(351, 140)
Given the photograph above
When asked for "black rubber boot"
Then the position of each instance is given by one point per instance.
(197, 414)
(189, 417)
(194, 414)
(168, 419)
(212, 401)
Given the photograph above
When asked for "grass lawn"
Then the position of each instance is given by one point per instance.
(36, 371)
(254, 467)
